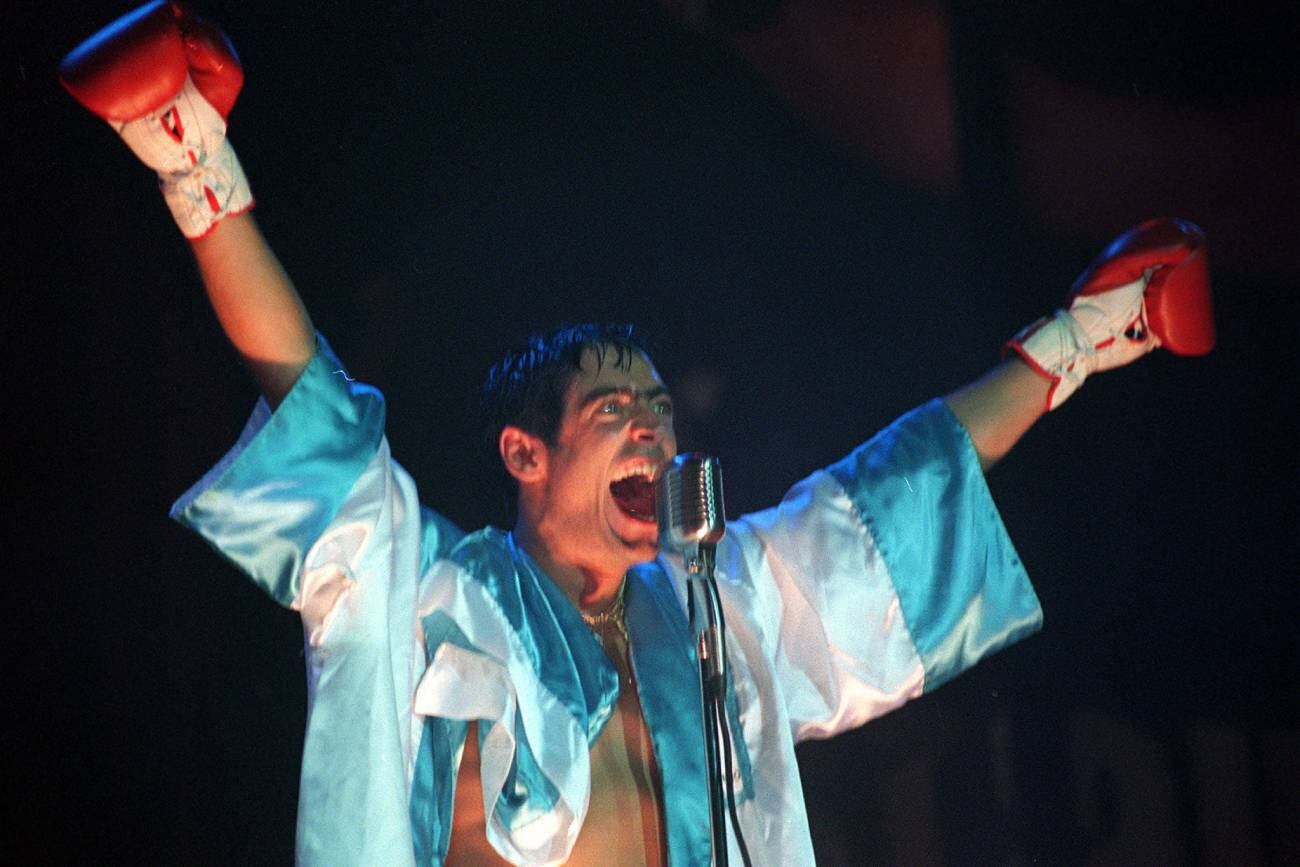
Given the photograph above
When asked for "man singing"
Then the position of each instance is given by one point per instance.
(532, 696)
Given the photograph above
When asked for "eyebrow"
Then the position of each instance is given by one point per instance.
(611, 390)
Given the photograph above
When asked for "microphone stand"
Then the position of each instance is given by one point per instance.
(706, 625)
(689, 507)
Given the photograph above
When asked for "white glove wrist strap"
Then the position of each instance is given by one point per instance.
(202, 196)
(185, 142)
(1098, 332)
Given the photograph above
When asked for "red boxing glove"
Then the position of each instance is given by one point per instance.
(1171, 254)
(1149, 288)
(165, 80)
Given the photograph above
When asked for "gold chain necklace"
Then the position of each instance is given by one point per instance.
(615, 613)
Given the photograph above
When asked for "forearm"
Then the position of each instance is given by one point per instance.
(999, 407)
(256, 304)
(166, 80)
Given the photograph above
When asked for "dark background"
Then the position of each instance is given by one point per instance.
(441, 181)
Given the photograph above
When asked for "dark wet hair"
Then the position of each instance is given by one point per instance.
(528, 386)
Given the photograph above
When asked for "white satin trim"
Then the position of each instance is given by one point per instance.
(815, 578)
(497, 683)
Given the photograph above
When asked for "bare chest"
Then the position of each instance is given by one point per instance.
(625, 812)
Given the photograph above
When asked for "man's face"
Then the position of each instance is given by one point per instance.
(614, 439)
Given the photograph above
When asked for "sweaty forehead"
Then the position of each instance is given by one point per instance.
(636, 372)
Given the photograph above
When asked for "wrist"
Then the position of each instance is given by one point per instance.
(207, 192)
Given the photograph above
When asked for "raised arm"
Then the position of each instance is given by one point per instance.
(165, 81)
(1149, 288)
(999, 407)
(256, 303)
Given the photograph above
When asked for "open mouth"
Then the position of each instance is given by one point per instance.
(634, 492)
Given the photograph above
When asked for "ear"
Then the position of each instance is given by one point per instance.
(523, 454)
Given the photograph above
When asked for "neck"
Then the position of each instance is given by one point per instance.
(589, 589)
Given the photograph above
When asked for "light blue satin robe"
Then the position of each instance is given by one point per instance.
(873, 581)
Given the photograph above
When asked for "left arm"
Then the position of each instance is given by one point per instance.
(1149, 288)
(999, 407)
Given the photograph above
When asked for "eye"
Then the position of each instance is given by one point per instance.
(664, 406)
(609, 407)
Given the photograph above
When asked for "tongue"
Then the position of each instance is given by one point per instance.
(635, 496)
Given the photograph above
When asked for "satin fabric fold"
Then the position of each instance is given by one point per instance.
(668, 684)
(272, 495)
(490, 617)
(310, 505)
(961, 586)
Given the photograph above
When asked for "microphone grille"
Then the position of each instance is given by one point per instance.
(689, 502)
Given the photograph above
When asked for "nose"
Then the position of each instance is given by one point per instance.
(649, 426)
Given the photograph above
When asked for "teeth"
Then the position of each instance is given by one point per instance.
(648, 470)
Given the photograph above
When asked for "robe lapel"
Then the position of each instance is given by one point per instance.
(663, 660)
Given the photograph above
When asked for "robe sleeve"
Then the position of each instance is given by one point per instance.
(272, 495)
(880, 577)
(312, 508)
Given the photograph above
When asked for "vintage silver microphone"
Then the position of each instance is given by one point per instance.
(690, 509)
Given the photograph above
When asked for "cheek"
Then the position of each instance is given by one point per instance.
(670, 440)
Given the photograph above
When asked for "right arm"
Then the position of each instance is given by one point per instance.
(165, 80)
(256, 304)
